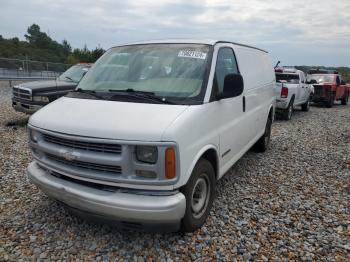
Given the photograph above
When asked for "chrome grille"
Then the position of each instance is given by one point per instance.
(21, 93)
(83, 145)
(86, 165)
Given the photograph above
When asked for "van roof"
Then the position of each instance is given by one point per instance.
(189, 41)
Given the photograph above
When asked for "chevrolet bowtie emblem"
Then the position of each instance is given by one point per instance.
(69, 155)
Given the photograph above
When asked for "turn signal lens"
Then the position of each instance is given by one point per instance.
(170, 163)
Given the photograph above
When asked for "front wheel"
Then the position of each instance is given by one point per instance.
(306, 106)
(345, 99)
(330, 101)
(199, 192)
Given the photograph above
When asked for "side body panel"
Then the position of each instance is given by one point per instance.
(259, 81)
(203, 127)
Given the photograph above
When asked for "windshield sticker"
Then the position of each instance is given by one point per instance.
(192, 54)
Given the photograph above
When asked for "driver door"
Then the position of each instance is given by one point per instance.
(233, 133)
(305, 90)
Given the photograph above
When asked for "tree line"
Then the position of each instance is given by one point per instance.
(41, 47)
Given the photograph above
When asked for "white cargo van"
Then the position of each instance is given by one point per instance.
(151, 128)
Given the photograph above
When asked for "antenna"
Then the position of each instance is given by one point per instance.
(277, 64)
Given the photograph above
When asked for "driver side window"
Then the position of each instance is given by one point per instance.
(225, 64)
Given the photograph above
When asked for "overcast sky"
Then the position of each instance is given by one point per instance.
(297, 32)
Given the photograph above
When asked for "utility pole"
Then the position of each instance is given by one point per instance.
(27, 64)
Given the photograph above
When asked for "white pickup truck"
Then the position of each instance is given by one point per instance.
(291, 90)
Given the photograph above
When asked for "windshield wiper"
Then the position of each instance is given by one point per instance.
(88, 92)
(140, 94)
(69, 78)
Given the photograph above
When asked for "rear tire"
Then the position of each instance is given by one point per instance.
(306, 106)
(288, 112)
(200, 193)
(345, 99)
(262, 144)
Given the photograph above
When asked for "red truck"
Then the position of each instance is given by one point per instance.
(328, 87)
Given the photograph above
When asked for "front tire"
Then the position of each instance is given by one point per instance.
(330, 101)
(200, 193)
(306, 106)
(345, 99)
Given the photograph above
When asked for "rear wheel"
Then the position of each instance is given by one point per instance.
(199, 192)
(345, 99)
(288, 112)
(262, 144)
(306, 106)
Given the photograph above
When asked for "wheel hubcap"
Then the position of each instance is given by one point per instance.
(200, 196)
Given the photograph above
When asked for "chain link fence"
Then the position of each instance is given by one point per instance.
(24, 68)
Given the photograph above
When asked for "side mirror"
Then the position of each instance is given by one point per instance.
(342, 82)
(233, 86)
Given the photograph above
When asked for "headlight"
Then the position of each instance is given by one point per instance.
(33, 135)
(40, 99)
(147, 154)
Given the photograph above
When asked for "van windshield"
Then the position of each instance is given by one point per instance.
(176, 72)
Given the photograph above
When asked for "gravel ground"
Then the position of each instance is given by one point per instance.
(290, 203)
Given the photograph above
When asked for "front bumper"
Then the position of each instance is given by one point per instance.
(123, 207)
(317, 99)
(25, 107)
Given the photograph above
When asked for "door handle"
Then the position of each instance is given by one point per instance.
(243, 103)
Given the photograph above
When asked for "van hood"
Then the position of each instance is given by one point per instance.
(107, 119)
